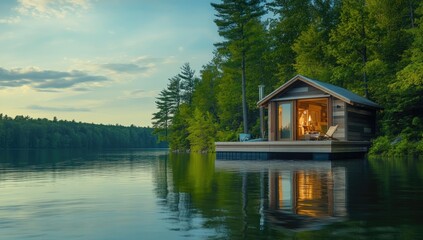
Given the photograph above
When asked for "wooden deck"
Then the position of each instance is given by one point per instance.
(304, 150)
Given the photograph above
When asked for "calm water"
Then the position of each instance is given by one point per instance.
(149, 194)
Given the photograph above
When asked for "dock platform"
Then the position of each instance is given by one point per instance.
(291, 150)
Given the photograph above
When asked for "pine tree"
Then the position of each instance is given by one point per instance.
(407, 107)
(178, 134)
(205, 94)
(188, 82)
(234, 18)
(351, 43)
(293, 17)
(391, 30)
(312, 58)
(163, 118)
(174, 92)
(202, 132)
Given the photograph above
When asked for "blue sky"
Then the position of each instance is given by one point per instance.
(100, 61)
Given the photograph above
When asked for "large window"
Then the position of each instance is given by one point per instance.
(285, 128)
(312, 117)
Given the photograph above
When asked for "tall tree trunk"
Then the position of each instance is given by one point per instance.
(244, 94)
(364, 51)
(410, 4)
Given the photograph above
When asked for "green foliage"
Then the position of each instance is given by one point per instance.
(312, 57)
(188, 82)
(350, 45)
(401, 121)
(26, 132)
(205, 92)
(202, 132)
(162, 118)
(178, 136)
(293, 17)
(238, 22)
(379, 145)
(310, 48)
(371, 47)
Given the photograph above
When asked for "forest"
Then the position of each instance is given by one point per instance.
(371, 47)
(26, 132)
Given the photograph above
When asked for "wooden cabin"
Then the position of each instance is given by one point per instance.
(302, 106)
(303, 109)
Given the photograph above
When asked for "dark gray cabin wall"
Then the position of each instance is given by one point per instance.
(361, 123)
(339, 114)
(299, 89)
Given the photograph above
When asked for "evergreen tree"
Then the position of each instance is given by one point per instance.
(174, 92)
(25, 132)
(391, 29)
(178, 134)
(405, 113)
(202, 132)
(188, 82)
(205, 94)
(170, 122)
(234, 18)
(350, 45)
(312, 56)
(293, 17)
(163, 118)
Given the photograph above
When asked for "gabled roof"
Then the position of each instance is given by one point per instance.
(338, 92)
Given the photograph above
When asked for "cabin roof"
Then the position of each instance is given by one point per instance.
(338, 92)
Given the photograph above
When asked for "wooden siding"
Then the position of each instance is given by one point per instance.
(293, 146)
(309, 150)
(299, 89)
(361, 123)
(338, 117)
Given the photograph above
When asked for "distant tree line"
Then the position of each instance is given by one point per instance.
(26, 132)
(371, 47)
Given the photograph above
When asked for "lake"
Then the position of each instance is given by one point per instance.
(150, 194)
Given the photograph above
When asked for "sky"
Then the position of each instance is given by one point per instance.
(98, 61)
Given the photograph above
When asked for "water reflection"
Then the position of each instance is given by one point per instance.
(174, 178)
(155, 195)
(304, 199)
(242, 199)
(301, 195)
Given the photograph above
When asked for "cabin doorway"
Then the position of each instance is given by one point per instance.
(312, 118)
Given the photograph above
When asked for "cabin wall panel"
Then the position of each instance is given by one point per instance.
(361, 124)
(300, 89)
(338, 118)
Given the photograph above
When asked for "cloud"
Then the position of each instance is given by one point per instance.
(10, 20)
(148, 60)
(140, 93)
(57, 109)
(81, 89)
(48, 90)
(51, 8)
(143, 65)
(47, 79)
(125, 67)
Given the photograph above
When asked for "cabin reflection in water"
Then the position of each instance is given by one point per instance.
(300, 194)
(309, 193)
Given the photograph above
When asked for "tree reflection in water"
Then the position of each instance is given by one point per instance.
(250, 198)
